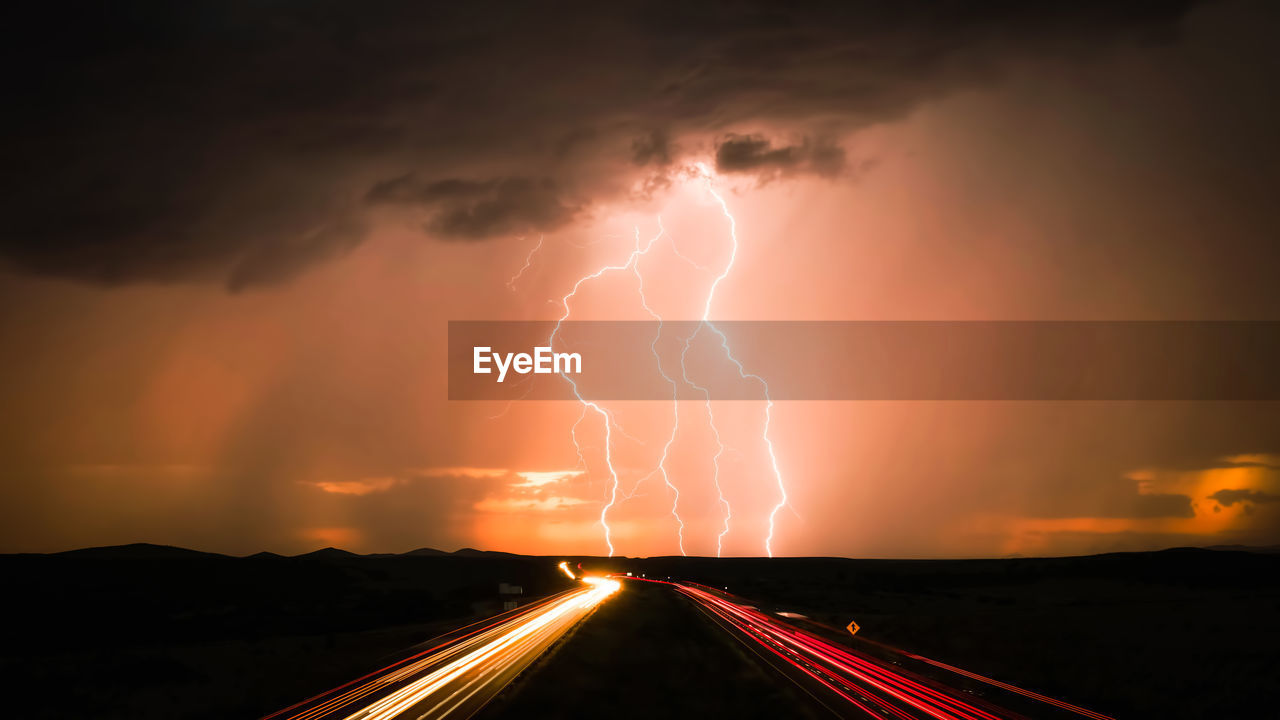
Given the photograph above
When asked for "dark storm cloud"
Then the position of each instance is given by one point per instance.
(745, 153)
(654, 148)
(470, 210)
(1231, 497)
(756, 154)
(163, 141)
(1119, 499)
(1157, 505)
(277, 258)
(1184, 459)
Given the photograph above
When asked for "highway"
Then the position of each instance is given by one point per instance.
(853, 684)
(455, 678)
(458, 674)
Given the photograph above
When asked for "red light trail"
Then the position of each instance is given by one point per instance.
(867, 684)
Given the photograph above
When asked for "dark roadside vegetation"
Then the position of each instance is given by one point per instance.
(150, 632)
(648, 653)
(146, 631)
(1183, 633)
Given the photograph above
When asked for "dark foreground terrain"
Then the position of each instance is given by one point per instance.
(1183, 633)
(150, 632)
(145, 631)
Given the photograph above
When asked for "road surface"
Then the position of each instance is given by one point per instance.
(456, 678)
(853, 684)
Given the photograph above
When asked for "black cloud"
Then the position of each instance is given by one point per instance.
(1114, 499)
(1230, 497)
(475, 210)
(149, 141)
(757, 154)
(654, 148)
(1157, 505)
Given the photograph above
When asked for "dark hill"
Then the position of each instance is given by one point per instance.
(139, 551)
(329, 553)
(473, 553)
(1266, 549)
(425, 552)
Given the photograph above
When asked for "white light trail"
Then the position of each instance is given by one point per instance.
(513, 642)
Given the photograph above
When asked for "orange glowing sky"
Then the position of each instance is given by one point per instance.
(312, 411)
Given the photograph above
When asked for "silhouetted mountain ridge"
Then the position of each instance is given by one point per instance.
(472, 552)
(157, 551)
(1246, 548)
(328, 553)
(139, 550)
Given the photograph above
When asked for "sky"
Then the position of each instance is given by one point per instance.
(233, 235)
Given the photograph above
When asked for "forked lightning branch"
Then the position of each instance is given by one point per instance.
(543, 361)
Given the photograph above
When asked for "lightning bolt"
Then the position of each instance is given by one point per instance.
(528, 260)
(607, 419)
(511, 285)
(715, 431)
(631, 264)
(676, 250)
(706, 174)
(573, 432)
(675, 403)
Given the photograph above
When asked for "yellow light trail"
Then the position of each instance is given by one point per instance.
(462, 677)
(529, 635)
(564, 565)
